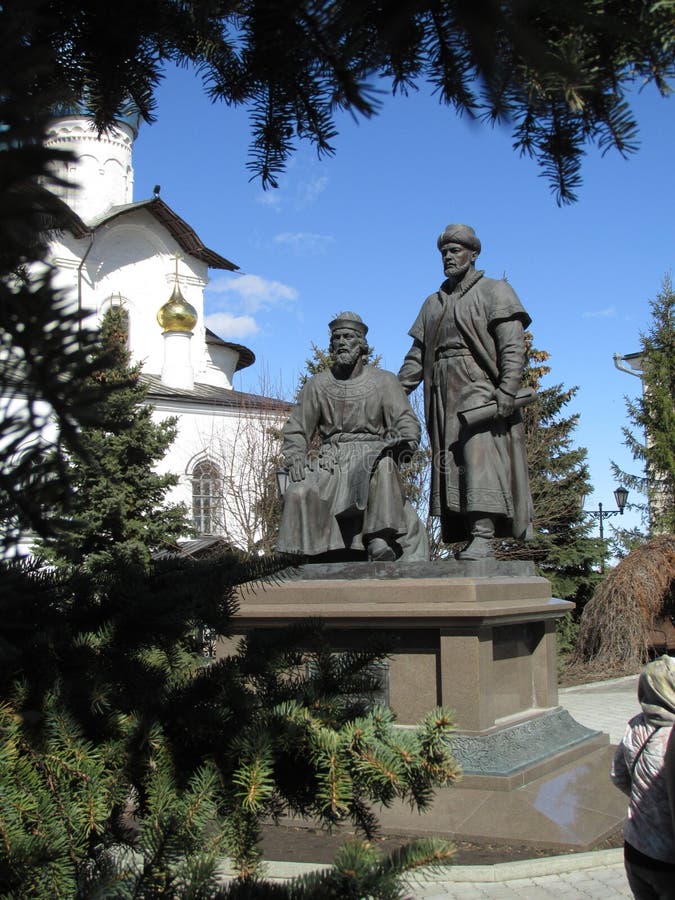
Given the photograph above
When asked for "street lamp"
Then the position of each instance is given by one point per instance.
(283, 478)
(620, 496)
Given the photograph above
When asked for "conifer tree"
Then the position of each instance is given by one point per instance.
(558, 471)
(558, 75)
(128, 764)
(653, 414)
(117, 513)
(46, 352)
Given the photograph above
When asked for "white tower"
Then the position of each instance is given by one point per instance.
(102, 176)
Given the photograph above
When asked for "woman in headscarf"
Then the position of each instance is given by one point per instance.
(641, 771)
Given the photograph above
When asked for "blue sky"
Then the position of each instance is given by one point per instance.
(358, 231)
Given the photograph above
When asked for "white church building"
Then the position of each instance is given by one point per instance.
(142, 256)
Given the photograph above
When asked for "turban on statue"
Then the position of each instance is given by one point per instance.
(460, 234)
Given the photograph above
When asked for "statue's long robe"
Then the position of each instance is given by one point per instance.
(351, 491)
(466, 343)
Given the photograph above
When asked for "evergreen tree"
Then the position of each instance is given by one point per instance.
(117, 513)
(46, 353)
(561, 547)
(129, 765)
(557, 74)
(654, 415)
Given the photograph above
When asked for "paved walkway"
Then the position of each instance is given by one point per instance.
(596, 875)
(604, 706)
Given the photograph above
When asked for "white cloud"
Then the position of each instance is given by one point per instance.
(227, 326)
(299, 188)
(253, 291)
(607, 313)
(305, 243)
(271, 198)
(310, 189)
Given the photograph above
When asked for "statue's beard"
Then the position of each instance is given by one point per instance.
(456, 273)
(345, 360)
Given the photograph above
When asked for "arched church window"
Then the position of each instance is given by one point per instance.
(206, 489)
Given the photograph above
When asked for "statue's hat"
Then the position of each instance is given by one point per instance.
(349, 320)
(459, 234)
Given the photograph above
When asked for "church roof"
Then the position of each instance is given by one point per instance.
(246, 356)
(210, 395)
(184, 234)
(130, 115)
(54, 212)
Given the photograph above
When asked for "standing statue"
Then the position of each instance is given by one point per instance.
(469, 349)
(345, 501)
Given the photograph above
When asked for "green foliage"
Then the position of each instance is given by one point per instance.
(557, 74)
(319, 361)
(129, 763)
(653, 414)
(623, 541)
(45, 353)
(56, 792)
(416, 473)
(564, 552)
(358, 871)
(117, 513)
(566, 631)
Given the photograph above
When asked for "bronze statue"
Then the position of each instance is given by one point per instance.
(469, 350)
(345, 500)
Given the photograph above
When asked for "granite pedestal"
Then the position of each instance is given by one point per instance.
(479, 638)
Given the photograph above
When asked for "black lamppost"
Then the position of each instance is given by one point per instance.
(621, 496)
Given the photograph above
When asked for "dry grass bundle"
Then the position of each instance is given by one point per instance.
(615, 625)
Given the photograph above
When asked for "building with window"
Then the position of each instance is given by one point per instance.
(141, 255)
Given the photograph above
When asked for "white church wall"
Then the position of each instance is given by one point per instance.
(221, 364)
(241, 444)
(132, 262)
(128, 259)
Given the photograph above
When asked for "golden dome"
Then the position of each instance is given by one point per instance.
(177, 314)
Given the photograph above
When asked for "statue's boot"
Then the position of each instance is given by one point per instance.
(380, 551)
(482, 535)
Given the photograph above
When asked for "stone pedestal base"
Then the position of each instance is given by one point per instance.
(479, 638)
(574, 806)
